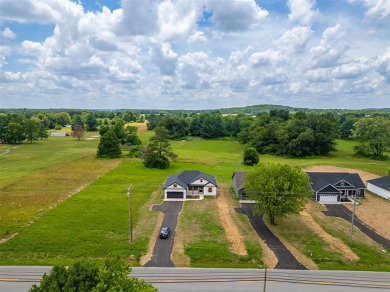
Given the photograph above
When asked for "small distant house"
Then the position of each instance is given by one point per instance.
(238, 181)
(336, 186)
(190, 183)
(380, 186)
(58, 134)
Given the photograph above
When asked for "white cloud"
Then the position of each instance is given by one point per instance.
(319, 75)
(379, 10)
(5, 51)
(162, 55)
(331, 49)
(236, 15)
(197, 37)
(295, 40)
(302, 12)
(351, 70)
(177, 19)
(8, 34)
(383, 65)
(260, 59)
(140, 17)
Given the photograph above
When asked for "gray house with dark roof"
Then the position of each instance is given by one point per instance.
(336, 186)
(380, 186)
(238, 181)
(190, 183)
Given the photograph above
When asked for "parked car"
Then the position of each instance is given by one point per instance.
(164, 232)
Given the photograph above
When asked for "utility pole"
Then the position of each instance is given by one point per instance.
(353, 217)
(130, 214)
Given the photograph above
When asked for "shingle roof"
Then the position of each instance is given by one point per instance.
(382, 182)
(186, 177)
(240, 179)
(322, 179)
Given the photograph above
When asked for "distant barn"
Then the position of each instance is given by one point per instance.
(59, 134)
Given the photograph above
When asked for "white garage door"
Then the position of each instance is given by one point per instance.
(328, 198)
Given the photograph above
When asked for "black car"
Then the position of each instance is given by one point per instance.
(164, 232)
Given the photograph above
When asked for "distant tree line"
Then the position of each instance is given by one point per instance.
(17, 126)
(278, 131)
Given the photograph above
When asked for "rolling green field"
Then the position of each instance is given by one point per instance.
(63, 204)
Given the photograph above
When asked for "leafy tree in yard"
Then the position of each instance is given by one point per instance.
(91, 122)
(251, 156)
(131, 137)
(15, 133)
(279, 189)
(42, 131)
(77, 120)
(78, 131)
(119, 131)
(89, 276)
(62, 118)
(31, 130)
(109, 146)
(373, 135)
(158, 150)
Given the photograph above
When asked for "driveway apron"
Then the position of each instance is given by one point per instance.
(285, 258)
(343, 212)
(163, 249)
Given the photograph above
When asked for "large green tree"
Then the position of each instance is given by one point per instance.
(15, 133)
(159, 150)
(278, 189)
(373, 135)
(109, 146)
(31, 129)
(90, 276)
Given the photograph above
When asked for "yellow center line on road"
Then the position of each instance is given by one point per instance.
(7, 279)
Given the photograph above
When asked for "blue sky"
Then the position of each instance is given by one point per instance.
(196, 54)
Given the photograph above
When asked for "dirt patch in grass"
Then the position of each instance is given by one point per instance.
(335, 244)
(372, 210)
(233, 236)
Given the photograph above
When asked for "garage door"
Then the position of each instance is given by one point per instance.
(175, 195)
(328, 198)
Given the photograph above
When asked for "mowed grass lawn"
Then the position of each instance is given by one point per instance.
(93, 223)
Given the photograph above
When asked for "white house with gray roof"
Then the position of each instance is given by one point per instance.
(380, 186)
(190, 183)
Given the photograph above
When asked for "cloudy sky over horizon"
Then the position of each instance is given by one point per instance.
(194, 54)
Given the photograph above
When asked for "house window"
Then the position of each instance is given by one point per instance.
(201, 179)
(342, 183)
(175, 185)
(210, 190)
(358, 192)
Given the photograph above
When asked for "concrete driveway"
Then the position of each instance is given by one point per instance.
(163, 249)
(337, 210)
(286, 260)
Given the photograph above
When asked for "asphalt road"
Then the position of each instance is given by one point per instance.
(19, 279)
(163, 249)
(286, 260)
(341, 211)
